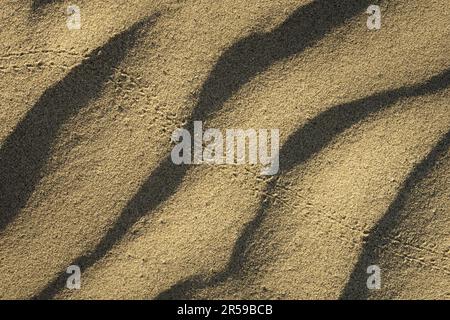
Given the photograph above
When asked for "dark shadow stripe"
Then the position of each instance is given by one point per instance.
(154, 191)
(252, 55)
(318, 132)
(301, 146)
(25, 151)
(236, 66)
(356, 288)
(38, 5)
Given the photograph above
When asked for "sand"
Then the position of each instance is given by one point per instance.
(86, 176)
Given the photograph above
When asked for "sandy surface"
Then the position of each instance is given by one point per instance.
(86, 177)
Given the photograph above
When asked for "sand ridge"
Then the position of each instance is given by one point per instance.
(87, 177)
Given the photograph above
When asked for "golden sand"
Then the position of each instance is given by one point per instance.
(85, 172)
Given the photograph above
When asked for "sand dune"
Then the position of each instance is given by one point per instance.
(87, 176)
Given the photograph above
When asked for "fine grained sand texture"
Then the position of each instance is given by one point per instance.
(86, 176)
